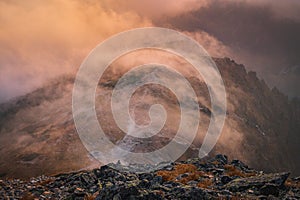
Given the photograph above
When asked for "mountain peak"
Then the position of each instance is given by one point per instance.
(42, 138)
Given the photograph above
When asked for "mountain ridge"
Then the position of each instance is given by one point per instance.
(261, 123)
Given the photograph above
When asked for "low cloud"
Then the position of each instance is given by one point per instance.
(261, 35)
(155, 9)
(43, 39)
(212, 45)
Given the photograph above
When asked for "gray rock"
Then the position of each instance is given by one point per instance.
(269, 189)
(242, 184)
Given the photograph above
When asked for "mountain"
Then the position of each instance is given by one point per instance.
(38, 136)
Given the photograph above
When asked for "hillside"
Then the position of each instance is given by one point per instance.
(37, 132)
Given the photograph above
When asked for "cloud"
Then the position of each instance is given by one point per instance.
(212, 45)
(43, 39)
(47, 39)
(288, 9)
(260, 35)
(155, 8)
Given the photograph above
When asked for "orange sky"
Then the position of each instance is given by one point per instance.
(43, 39)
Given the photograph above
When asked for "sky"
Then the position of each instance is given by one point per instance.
(40, 40)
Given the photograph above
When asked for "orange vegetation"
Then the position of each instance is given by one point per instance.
(192, 175)
(27, 196)
(233, 171)
(205, 183)
(90, 197)
(290, 183)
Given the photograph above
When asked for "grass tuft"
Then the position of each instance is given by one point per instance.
(193, 174)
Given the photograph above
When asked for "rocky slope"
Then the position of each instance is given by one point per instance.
(215, 178)
(38, 136)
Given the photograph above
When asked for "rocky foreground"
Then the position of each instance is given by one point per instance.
(215, 178)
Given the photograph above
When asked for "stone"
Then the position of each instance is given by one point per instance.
(239, 164)
(157, 180)
(269, 189)
(108, 183)
(222, 158)
(226, 179)
(241, 184)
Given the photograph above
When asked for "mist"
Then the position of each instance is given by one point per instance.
(42, 40)
(263, 35)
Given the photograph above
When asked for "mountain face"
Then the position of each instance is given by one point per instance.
(38, 136)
